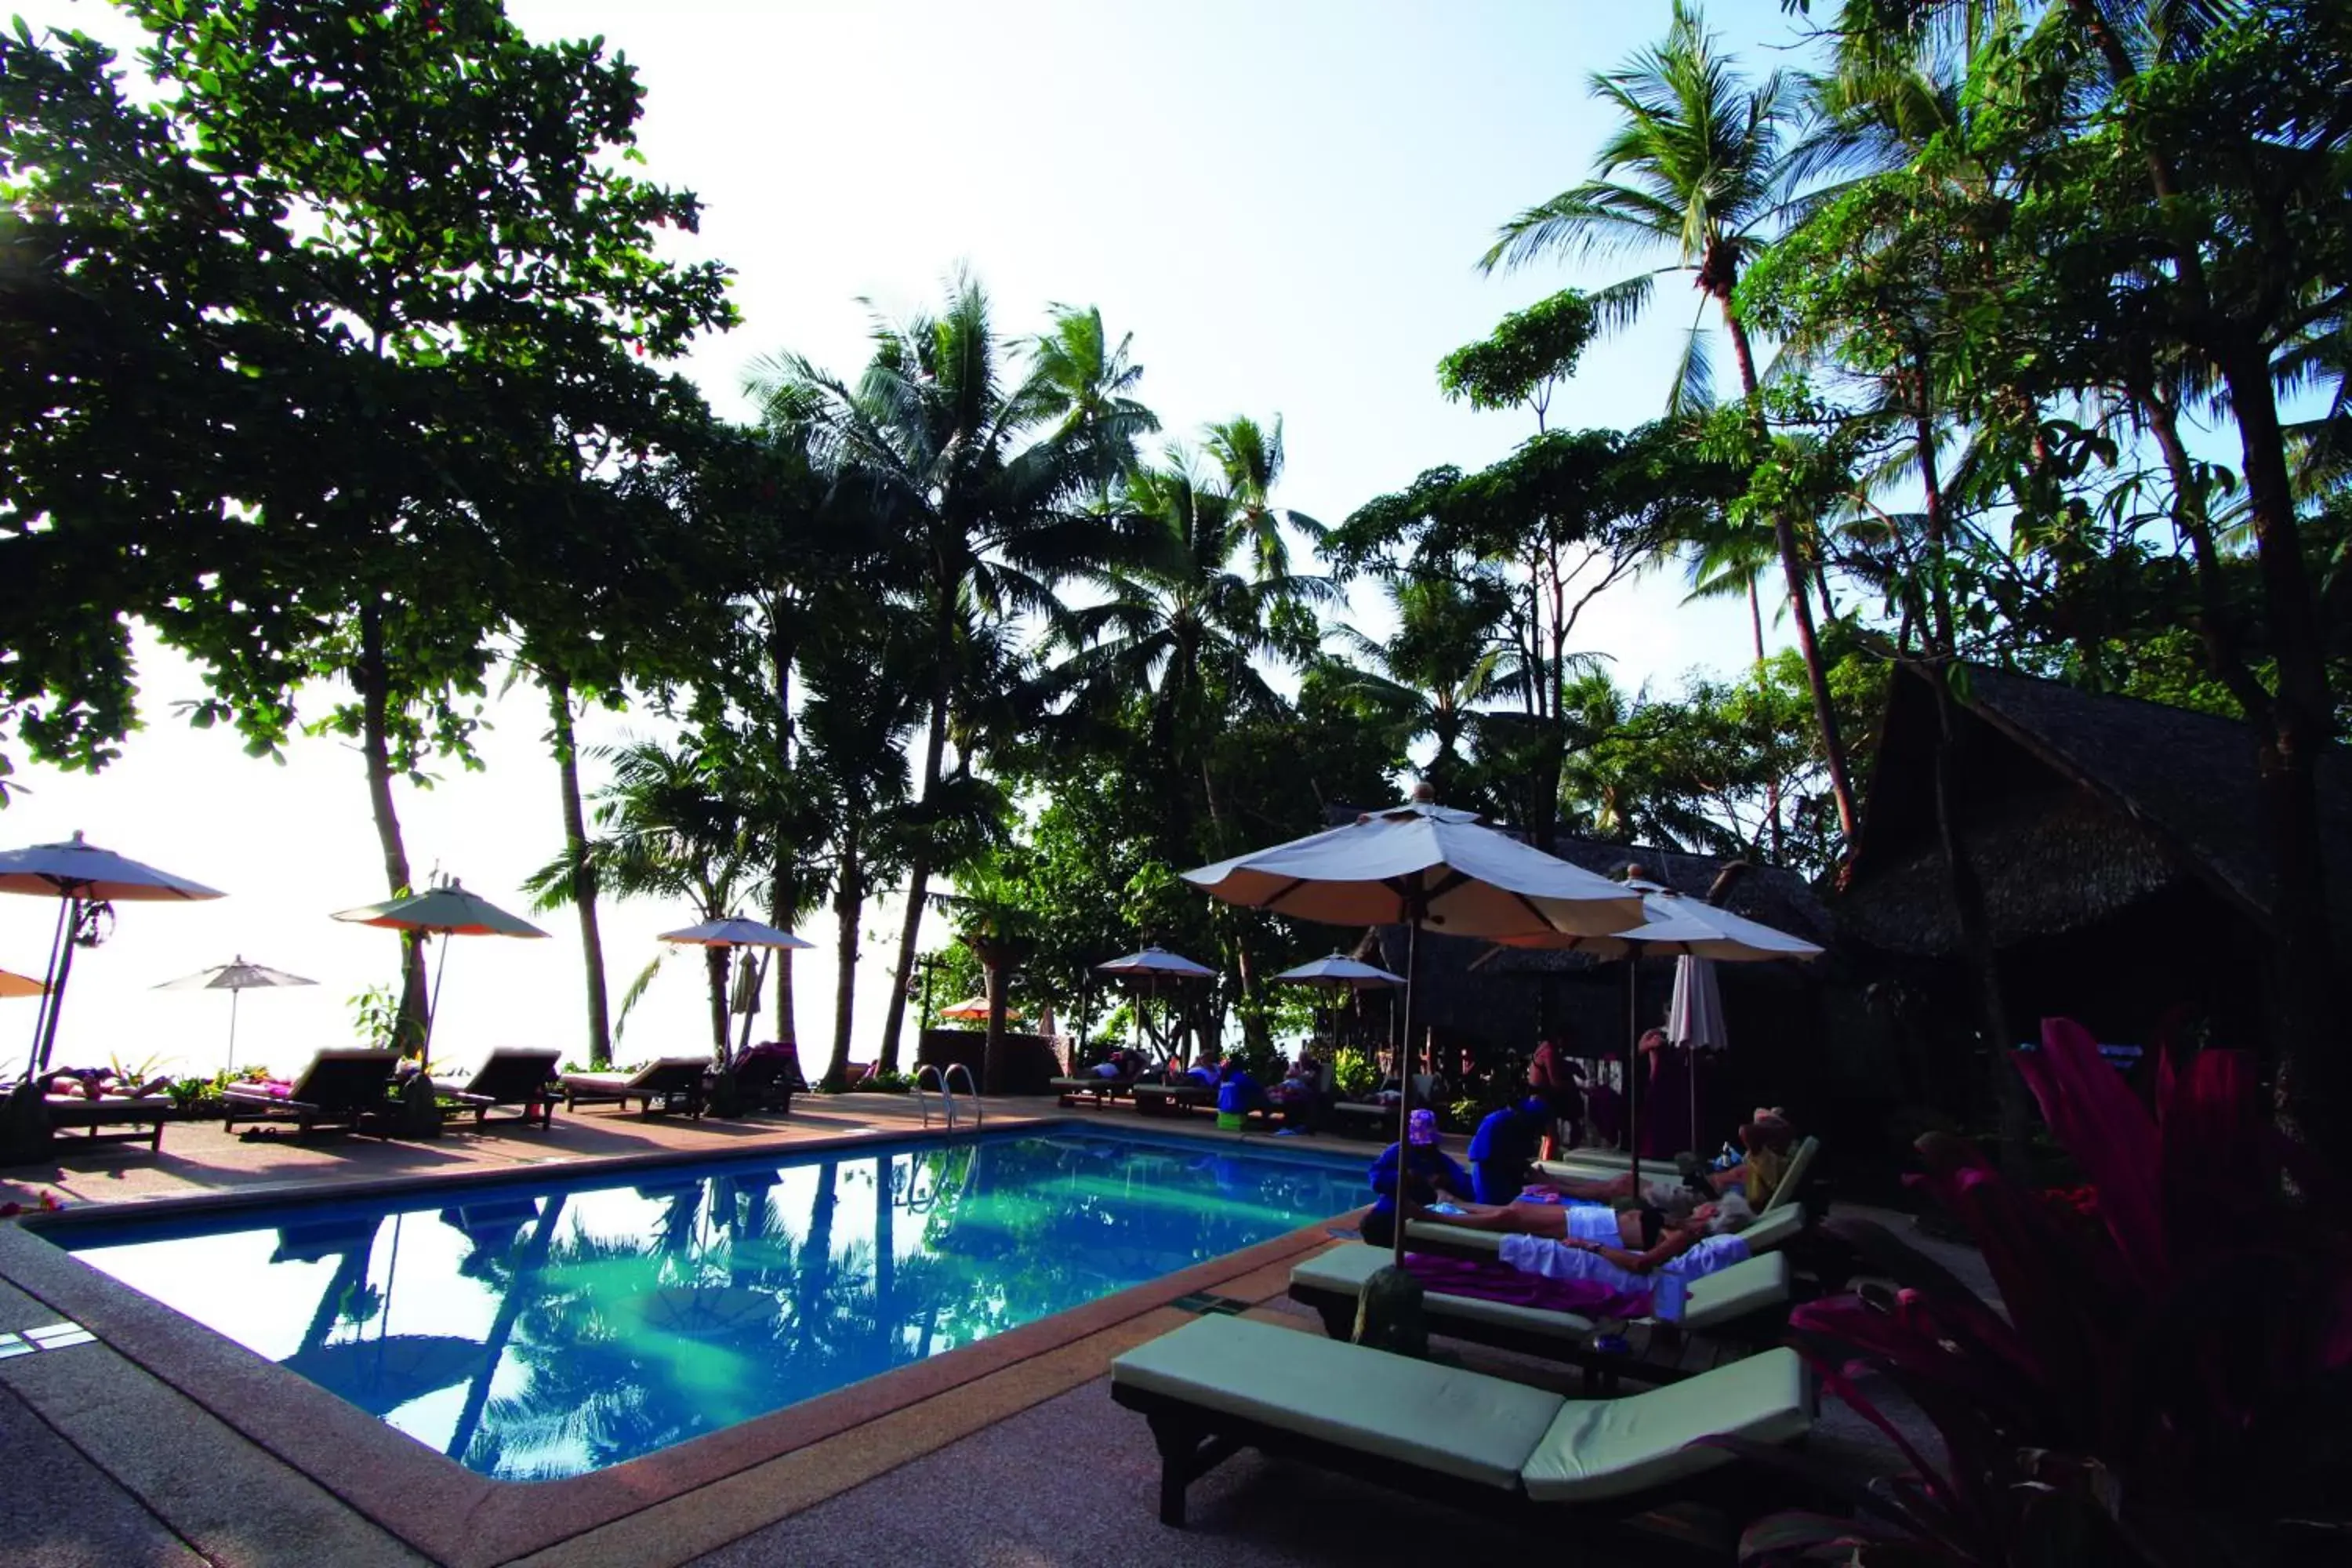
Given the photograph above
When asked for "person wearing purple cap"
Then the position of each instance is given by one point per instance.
(1420, 1168)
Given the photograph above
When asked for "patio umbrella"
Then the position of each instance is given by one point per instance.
(731, 932)
(1694, 1020)
(80, 875)
(14, 984)
(1419, 865)
(1152, 968)
(1687, 929)
(235, 977)
(1338, 973)
(445, 911)
(973, 1007)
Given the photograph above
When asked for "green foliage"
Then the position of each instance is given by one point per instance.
(375, 1017)
(1528, 353)
(1354, 1073)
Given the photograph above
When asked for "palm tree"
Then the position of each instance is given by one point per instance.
(1700, 163)
(984, 477)
(685, 822)
(1427, 678)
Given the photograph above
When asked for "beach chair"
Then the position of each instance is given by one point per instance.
(1172, 1098)
(1369, 1118)
(768, 1079)
(671, 1084)
(1739, 1309)
(1219, 1385)
(1097, 1090)
(343, 1087)
(1769, 1232)
(111, 1118)
(523, 1079)
(1600, 1165)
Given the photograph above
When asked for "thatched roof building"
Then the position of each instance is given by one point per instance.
(2121, 847)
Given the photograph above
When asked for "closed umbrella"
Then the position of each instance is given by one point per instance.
(1420, 864)
(80, 876)
(1694, 1020)
(235, 977)
(447, 910)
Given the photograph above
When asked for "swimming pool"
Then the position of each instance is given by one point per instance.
(556, 1326)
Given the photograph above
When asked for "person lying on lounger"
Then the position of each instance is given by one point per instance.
(1636, 1240)
(1755, 1178)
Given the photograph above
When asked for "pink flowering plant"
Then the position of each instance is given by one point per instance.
(2167, 1378)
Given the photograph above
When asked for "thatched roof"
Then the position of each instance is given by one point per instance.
(2075, 808)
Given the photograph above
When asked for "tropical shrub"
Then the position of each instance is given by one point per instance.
(1355, 1073)
(2167, 1379)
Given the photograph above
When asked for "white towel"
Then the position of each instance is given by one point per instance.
(1558, 1260)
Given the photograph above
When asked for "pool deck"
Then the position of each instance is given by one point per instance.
(160, 1442)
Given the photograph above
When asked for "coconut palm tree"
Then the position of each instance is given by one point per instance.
(1426, 679)
(977, 463)
(1700, 164)
(686, 822)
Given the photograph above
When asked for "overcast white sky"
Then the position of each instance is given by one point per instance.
(1281, 202)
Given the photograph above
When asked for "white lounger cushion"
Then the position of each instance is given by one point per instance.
(1434, 1418)
(1601, 1448)
(1744, 1287)
(1461, 1424)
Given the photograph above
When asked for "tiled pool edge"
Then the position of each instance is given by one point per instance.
(467, 1521)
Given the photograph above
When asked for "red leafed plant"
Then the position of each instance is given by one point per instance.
(2167, 1378)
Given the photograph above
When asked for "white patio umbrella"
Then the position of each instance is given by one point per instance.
(1338, 973)
(1695, 1021)
(79, 875)
(235, 977)
(1420, 864)
(445, 911)
(732, 932)
(1153, 967)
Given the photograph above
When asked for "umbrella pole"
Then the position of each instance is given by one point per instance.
(1404, 1087)
(48, 991)
(235, 992)
(1633, 1062)
(440, 965)
(56, 1000)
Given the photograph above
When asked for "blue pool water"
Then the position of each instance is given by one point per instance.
(538, 1329)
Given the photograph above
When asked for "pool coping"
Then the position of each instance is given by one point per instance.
(467, 1521)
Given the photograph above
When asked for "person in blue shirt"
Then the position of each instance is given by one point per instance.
(1237, 1092)
(1505, 1146)
(1426, 1171)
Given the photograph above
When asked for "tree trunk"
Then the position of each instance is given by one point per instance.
(995, 964)
(2307, 1033)
(918, 860)
(1800, 610)
(783, 894)
(373, 678)
(848, 904)
(714, 964)
(583, 875)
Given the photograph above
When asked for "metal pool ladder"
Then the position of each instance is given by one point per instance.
(945, 1079)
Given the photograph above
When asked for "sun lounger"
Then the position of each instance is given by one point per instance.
(140, 1118)
(1769, 1231)
(344, 1086)
(523, 1079)
(1169, 1099)
(1746, 1305)
(1367, 1118)
(1101, 1090)
(1600, 1165)
(1219, 1385)
(673, 1083)
(768, 1079)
